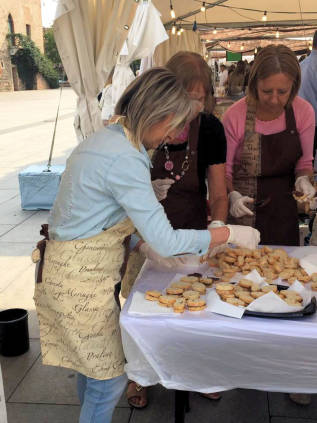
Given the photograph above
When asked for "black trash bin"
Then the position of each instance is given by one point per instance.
(14, 332)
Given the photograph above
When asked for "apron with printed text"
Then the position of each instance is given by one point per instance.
(266, 172)
(77, 311)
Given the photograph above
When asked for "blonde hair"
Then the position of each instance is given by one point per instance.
(151, 98)
(191, 68)
(271, 60)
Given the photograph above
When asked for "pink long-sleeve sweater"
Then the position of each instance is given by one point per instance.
(234, 125)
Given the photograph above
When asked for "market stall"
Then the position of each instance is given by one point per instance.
(208, 352)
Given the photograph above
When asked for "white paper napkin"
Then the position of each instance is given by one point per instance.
(268, 303)
(140, 306)
(309, 263)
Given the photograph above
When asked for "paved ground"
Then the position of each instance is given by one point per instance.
(41, 394)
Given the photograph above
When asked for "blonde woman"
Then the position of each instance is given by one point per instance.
(104, 196)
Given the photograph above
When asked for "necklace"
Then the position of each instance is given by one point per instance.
(169, 164)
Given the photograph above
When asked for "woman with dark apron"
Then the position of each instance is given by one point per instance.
(270, 144)
(181, 167)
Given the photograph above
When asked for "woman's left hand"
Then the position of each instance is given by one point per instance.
(303, 185)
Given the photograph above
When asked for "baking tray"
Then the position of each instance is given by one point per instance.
(307, 311)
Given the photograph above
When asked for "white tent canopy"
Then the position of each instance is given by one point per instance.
(90, 35)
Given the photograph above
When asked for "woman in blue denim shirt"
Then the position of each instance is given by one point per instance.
(105, 195)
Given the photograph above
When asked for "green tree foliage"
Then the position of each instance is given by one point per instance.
(50, 49)
(30, 61)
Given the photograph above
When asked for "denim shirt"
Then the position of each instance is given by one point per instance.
(106, 180)
(308, 88)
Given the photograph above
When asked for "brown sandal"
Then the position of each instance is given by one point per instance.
(214, 396)
(136, 392)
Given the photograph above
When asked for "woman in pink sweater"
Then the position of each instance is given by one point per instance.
(270, 137)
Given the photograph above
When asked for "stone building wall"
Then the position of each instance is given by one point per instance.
(23, 13)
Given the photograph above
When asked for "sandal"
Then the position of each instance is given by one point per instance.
(301, 399)
(136, 394)
(214, 396)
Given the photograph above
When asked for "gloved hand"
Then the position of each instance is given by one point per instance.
(243, 236)
(216, 224)
(313, 203)
(161, 186)
(237, 204)
(302, 184)
(164, 262)
(213, 251)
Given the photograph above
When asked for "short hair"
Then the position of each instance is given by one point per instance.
(190, 68)
(315, 40)
(151, 98)
(271, 60)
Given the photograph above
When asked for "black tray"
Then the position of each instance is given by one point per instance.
(308, 310)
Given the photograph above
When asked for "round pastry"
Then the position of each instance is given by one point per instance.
(196, 303)
(152, 295)
(174, 291)
(168, 300)
(199, 287)
(235, 301)
(222, 286)
(245, 283)
(268, 288)
(191, 295)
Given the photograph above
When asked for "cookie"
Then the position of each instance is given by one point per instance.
(206, 281)
(174, 291)
(196, 303)
(199, 287)
(245, 283)
(191, 295)
(226, 294)
(268, 288)
(169, 300)
(196, 308)
(182, 285)
(235, 301)
(313, 277)
(190, 279)
(245, 297)
(257, 294)
(179, 305)
(255, 287)
(222, 286)
(314, 286)
(152, 295)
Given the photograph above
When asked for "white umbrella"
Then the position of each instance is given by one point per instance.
(146, 33)
(89, 36)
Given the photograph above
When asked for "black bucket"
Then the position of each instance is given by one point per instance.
(14, 332)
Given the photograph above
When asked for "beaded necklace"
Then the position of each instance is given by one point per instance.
(169, 164)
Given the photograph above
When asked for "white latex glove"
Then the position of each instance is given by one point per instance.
(213, 251)
(302, 184)
(161, 186)
(237, 204)
(216, 224)
(313, 203)
(243, 236)
(164, 262)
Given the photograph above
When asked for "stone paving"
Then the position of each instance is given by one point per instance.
(41, 394)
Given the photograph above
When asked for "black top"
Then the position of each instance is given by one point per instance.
(212, 147)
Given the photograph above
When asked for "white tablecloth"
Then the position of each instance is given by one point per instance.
(207, 352)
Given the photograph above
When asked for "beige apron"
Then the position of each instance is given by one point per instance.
(249, 168)
(78, 315)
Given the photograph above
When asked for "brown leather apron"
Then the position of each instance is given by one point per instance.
(184, 206)
(267, 173)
